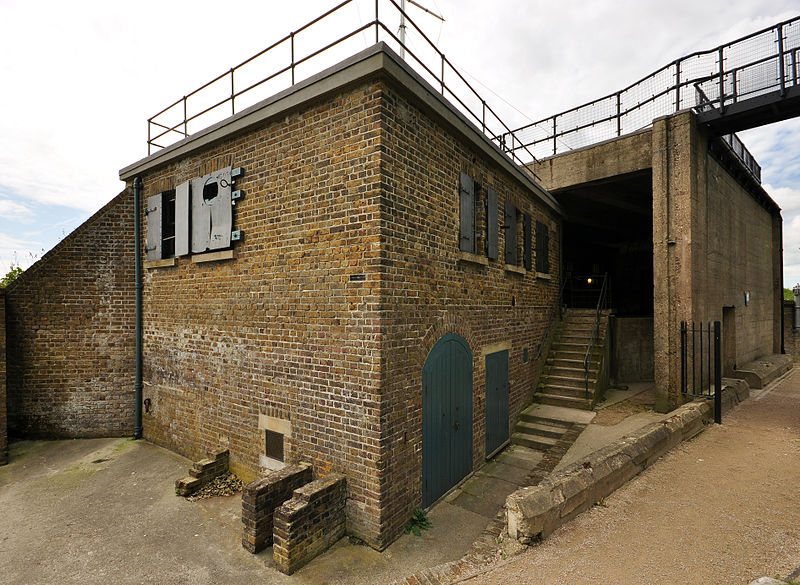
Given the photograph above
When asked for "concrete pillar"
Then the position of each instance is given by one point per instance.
(675, 143)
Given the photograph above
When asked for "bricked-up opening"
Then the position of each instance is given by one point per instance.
(274, 445)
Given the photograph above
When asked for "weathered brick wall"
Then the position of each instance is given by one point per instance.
(280, 330)
(791, 336)
(428, 291)
(309, 523)
(262, 497)
(3, 416)
(70, 333)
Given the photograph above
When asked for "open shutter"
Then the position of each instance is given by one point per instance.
(182, 207)
(526, 241)
(491, 225)
(546, 259)
(153, 246)
(467, 231)
(510, 225)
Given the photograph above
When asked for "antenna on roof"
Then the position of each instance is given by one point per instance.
(403, 23)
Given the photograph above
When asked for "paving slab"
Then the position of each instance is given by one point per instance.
(506, 472)
(519, 456)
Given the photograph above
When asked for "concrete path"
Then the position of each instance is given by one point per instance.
(722, 508)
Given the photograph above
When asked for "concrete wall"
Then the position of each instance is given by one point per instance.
(791, 336)
(70, 333)
(712, 242)
(3, 413)
(632, 349)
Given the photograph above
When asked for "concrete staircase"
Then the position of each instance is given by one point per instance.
(563, 380)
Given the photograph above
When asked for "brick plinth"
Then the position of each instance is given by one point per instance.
(261, 498)
(309, 523)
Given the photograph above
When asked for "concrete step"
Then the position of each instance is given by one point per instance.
(564, 401)
(572, 363)
(533, 442)
(530, 416)
(563, 390)
(541, 429)
(569, 381)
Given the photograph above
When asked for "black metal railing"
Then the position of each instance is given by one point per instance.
(753, 65)
(701, 363)
(557, 310)
(601, 306)
(221, 97)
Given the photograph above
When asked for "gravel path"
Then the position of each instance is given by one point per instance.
(723, 508)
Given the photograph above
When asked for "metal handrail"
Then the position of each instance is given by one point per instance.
(650, 91)
(595, 332)
(558, 309)
(487, 120)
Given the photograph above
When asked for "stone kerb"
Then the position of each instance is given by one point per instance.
(309, 523)
(261, 498)
(535, 512)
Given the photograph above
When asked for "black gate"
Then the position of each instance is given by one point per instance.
(701, 363)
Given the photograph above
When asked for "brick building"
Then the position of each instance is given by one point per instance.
(368, 261)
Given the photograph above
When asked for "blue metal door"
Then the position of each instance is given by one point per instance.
(496, 401)
(446, 417)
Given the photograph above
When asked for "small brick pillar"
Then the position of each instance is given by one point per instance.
(3, 394)
(202, 472)
(261, 498)
(309, 523)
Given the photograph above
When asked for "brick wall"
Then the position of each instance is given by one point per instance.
(428, 291)
(309, 523)
(261, 498)
(70, 333)
(280, 330)
(202, 472)
(3, 416)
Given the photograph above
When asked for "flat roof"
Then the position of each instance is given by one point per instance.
(378, 59)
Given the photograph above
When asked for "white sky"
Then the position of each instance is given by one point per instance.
(80, 79)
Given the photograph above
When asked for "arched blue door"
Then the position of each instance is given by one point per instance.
(446, 417)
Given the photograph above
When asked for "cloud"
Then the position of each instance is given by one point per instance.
(15, 211)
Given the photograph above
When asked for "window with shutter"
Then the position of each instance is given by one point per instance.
(467, 205)
(527, 243)
(510, 226)
(491, 225)
(542, 248)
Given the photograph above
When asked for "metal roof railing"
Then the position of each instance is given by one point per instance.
(759, 63)
(277, 68)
